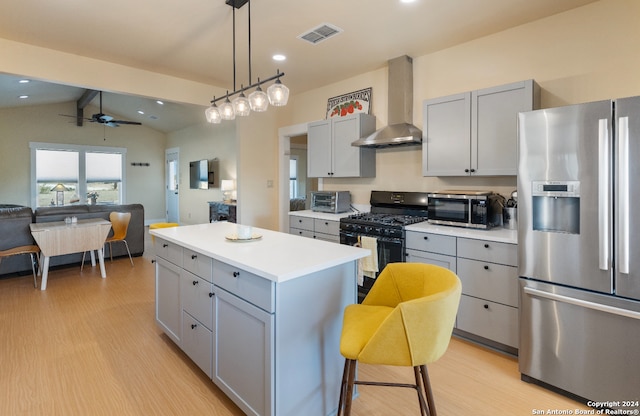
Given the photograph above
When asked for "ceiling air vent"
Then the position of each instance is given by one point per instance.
(320, 33)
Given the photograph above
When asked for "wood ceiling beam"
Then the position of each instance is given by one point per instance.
(82, 102)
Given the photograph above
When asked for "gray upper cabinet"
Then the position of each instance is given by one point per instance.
(330, 153)
(475, 133)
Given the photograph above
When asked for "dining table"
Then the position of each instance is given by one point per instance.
(57, 238)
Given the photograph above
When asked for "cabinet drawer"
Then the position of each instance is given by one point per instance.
(168, 251)
(197, 296)
(303, 223)
(435, 243)
(197, 263)
(489, 320)
(326, 226)
(301, 232)
(503, 253)
(197, 342)
(248, 286)
(415, 256)
(491, 281)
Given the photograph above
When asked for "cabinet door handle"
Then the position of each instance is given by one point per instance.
(486, 306)
(211, 294)
(236, 274)
(466, 170)
(165, 245)
(195, 282)
(425, 237)
(486, 246)
(326, 223)
(473, 170)
(153, 261)
(193, 326)
(486, 267)
(193, 257)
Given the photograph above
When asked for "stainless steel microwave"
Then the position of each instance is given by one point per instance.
(471, 209)
(330, 201)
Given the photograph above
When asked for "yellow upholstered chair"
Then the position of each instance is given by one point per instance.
(120, 224)
(406, 319)
(32, 250)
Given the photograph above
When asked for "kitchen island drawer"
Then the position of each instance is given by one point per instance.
(168, 251)
(503, 253)
(197, 342)
(248, 286)
(489, 320)
(491, 281)
(301, 232)
(197, 263)
(434, 243)
(196, 296)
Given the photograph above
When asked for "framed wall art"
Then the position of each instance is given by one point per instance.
(353, 102)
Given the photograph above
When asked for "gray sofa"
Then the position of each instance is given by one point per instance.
(14, 230)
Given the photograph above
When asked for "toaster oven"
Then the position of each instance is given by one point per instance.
(330, 201)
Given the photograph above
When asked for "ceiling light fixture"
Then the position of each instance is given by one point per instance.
(277, 94)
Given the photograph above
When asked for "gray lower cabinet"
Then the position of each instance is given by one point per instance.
(488, 310)
(267, 353)
(321, 229)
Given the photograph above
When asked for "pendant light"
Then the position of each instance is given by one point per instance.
(278, 94)
(213, 114)
(258, 101)
(241, 104)
(226, 110)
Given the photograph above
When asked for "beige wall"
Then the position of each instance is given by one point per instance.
(582, 55)
(203, 141)
(21, 125)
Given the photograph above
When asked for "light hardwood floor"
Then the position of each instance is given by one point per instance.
(90, 346)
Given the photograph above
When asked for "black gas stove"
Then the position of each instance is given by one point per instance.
(390, 213)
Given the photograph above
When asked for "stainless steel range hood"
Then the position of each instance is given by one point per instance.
(400, 130)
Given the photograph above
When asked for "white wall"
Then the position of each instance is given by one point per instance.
(203, 141)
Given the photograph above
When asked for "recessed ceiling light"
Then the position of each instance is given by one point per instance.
(279, 57)
(140, 112)
(408, 1)
(23, 81)
(23, 96)
(159, 102)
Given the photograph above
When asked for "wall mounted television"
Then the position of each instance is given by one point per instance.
(204, 174)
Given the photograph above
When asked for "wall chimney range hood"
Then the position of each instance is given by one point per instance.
(400, 130)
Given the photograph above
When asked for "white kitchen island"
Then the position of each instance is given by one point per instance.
(263, 317)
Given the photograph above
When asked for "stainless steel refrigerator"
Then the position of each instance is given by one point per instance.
(579, 250)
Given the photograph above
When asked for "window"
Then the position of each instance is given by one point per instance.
(293, 177)
(72, 174)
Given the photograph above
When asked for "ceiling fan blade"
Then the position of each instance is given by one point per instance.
(111, 124)
(134, 123)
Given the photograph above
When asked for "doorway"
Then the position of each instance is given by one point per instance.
(172, 178)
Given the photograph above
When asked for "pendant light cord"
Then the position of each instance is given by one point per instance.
(249, 10)
(234, 47)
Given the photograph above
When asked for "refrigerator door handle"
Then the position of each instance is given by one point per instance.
(603, 194)
(583, 303)
(623, 195)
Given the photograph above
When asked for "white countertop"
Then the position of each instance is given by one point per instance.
(497, 234)
(276, 256)
(327, 216)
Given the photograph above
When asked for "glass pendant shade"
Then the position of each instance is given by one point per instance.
(213, 114)
(258, 100)
(226, 110)
(278, 94)
(241, 105)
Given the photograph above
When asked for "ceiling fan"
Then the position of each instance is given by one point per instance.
(100, 118)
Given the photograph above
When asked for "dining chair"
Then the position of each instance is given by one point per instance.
(406, 319)
(120, 224)
(32, 250)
